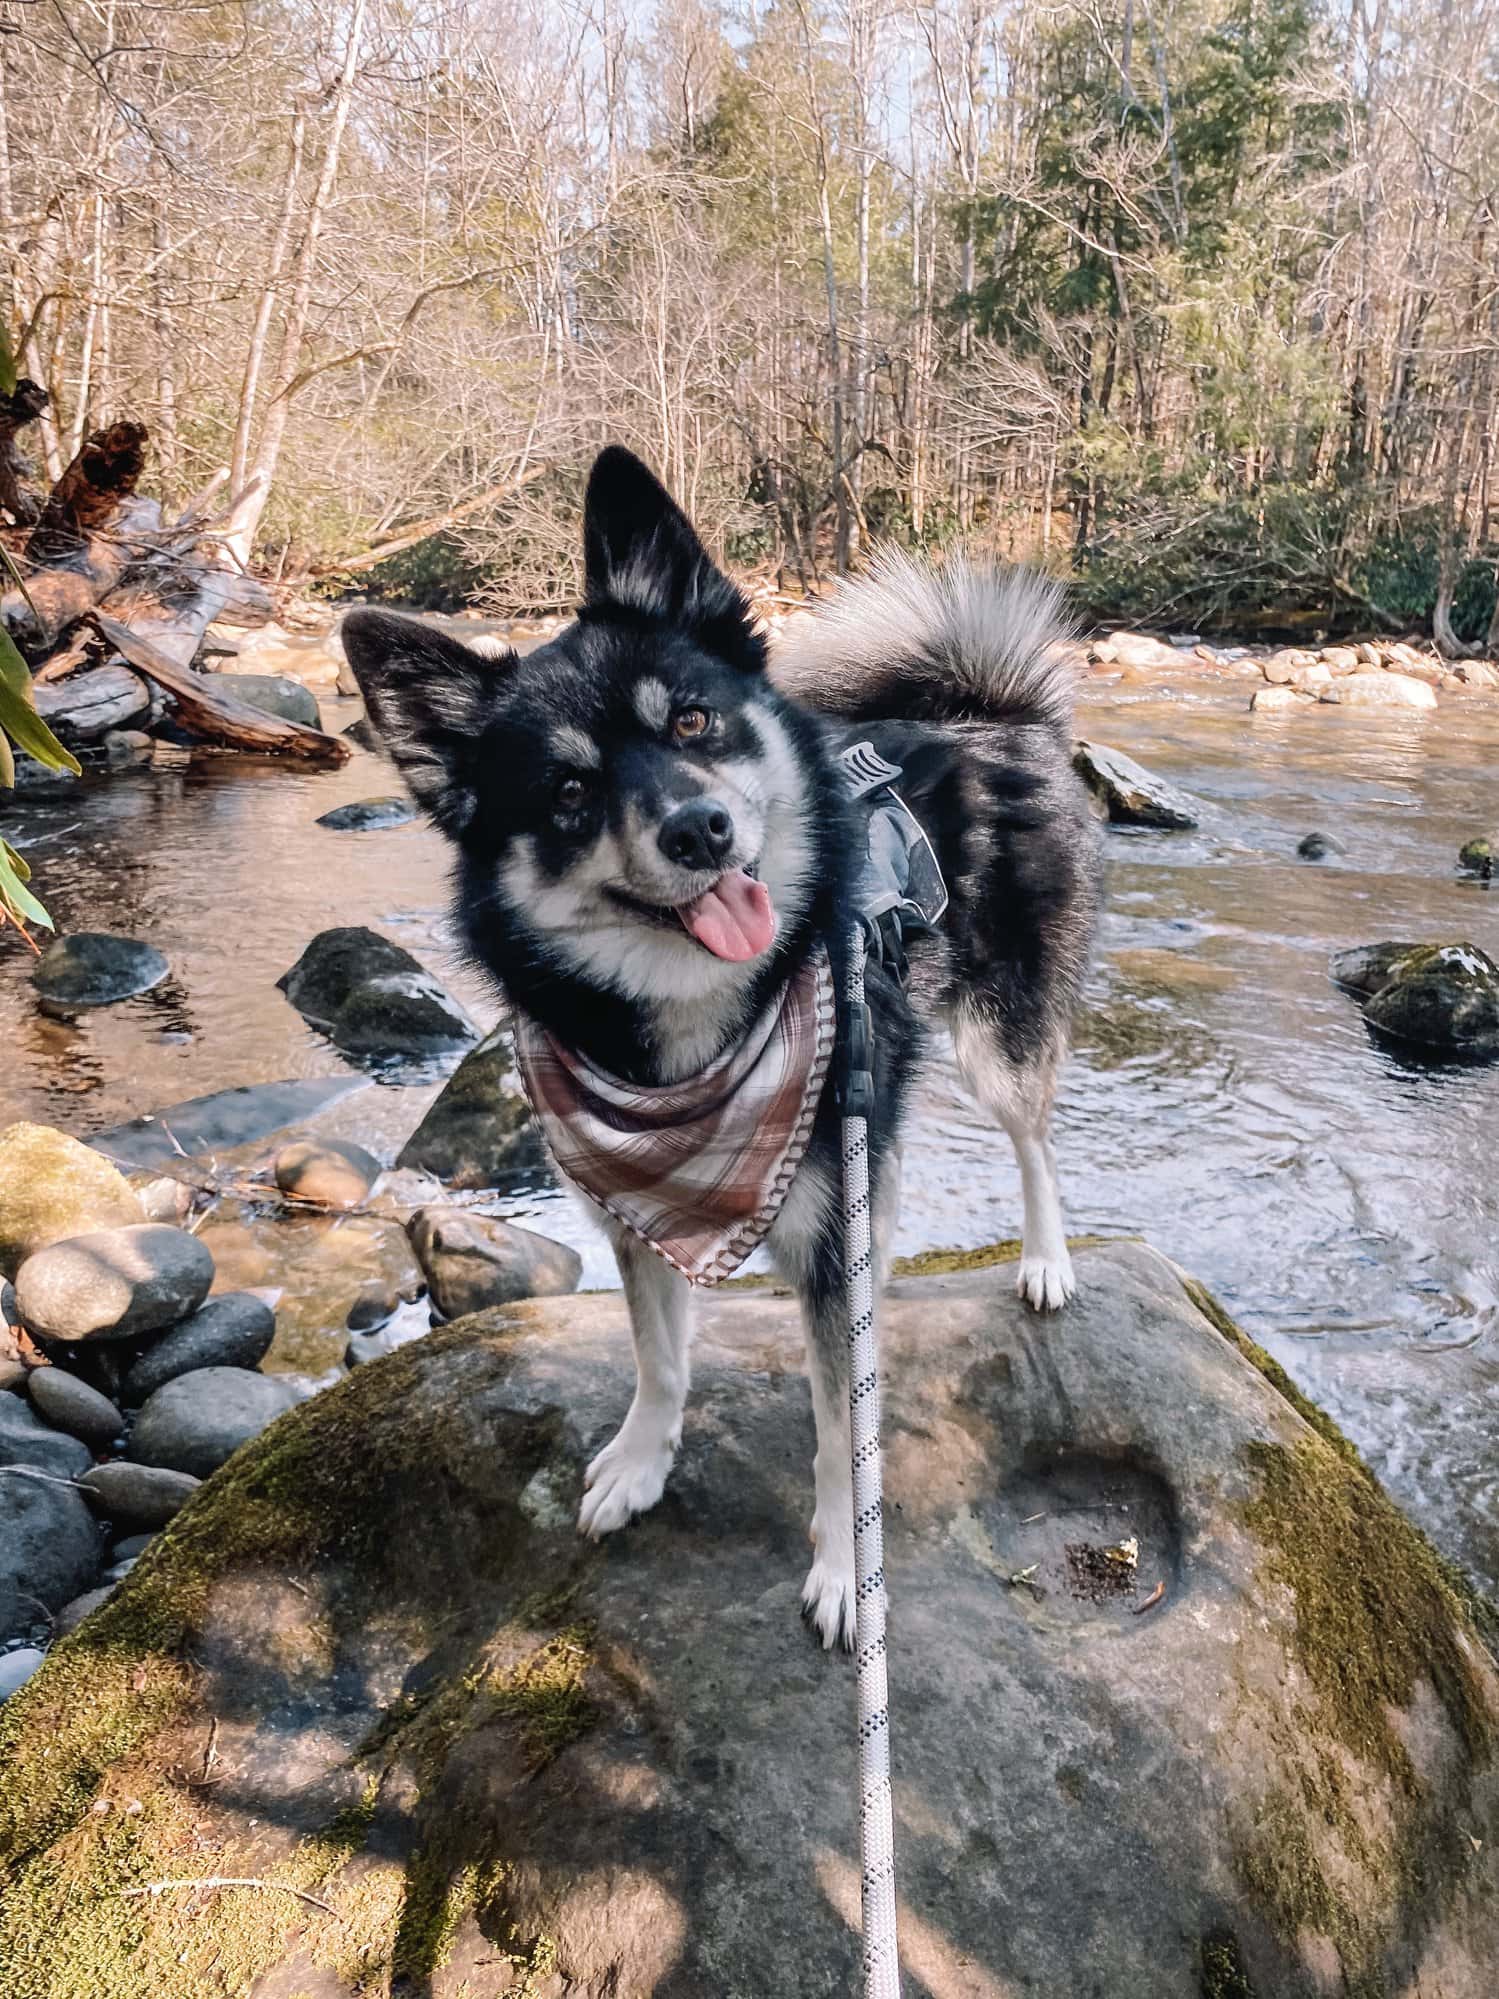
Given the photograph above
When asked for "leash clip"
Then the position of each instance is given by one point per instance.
(853, 1085)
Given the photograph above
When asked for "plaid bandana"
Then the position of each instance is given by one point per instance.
(698, 1169)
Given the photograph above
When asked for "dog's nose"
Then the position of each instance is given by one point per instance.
(697, 835)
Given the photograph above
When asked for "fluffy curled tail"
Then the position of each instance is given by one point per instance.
(921, 643)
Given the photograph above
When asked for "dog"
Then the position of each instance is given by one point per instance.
(655, 855)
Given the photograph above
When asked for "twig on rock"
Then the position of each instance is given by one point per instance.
(230, 1881)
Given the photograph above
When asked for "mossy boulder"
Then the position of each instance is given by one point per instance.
(1479, 855)
(1438, 997)
(371, 1669)
(479, 1132)
(51, 1187)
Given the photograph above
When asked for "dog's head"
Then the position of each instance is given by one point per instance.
(632, 795)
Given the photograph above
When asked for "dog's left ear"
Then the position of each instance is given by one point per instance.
(641, 553)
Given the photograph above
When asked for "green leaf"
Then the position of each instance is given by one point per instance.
(19, 719)
(7, 763)
(9, 375)
(16, 900)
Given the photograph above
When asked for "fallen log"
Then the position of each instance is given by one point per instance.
(56, 597)
(216, 717)
(88, 705)
(23, 405)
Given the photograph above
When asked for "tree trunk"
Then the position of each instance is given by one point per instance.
(105, 471)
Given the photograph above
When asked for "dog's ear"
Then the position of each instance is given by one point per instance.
(428, 697)
(641, 553)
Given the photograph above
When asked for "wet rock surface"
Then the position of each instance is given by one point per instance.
(93, 968)
(369, 815)
(232, 1329)
(1130, 794)
(51, 1187)
(1438, 997)
(223, 1119)
(471, 1261)
(1231, 1774)
(49, 1547)
(113, 1283)
(373, 999)
(272, 694)
(69, 1404)
(332, 1171)
(479, 1132)
(29, 1438)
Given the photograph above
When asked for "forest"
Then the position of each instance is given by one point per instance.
(1195, 301)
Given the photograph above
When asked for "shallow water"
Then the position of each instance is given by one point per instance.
(1225, 1100)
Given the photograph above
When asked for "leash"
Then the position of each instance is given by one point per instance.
(881, 1962)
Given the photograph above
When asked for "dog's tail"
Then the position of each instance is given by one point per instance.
(920, 643)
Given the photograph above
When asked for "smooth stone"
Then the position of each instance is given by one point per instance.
(1098, 1794)
(1380, 690)
(479, 1131)
(377, 1302)
(1131, 795)
(70, 1404)
(26, 1438)
(473, 1261)
(127, 749)
(52, 1187)
(197, 1421)
(223, 1120)
(1479, 856)
(113, 1284)
(17, 1667)
(1277, 700)
(373, 999)
(140, 1495)
(49, 1546)
(132, 1547)
(72, 1614)
(272, 694)
(368, 815)
(230, 1329)
(117, 1571)
(94, 968)
(332, 1171)
(165, 1200)
(1317, 846)
(1137, 649)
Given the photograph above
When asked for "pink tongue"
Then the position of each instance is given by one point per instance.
(733, 919)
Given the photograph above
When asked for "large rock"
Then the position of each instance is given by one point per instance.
(471, 1261)
(95, 968)
(52, 1187)
(272, 694)
(1441, 997)
(223, 1120)
(113, 1284)
(369, 815)
(197, 1421)
(234, 1329)
(373, 999)
(1380, 690)
(629, 1769)
(1137, 649)
(49, 1552)
(27, 1438)
(480, 1131)
(1131, 795)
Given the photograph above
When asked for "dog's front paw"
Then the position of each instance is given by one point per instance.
(627, 1477)
(828, 1602)
(1046, 1283)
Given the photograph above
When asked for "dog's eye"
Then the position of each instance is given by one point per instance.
(690, 723)
(570, 794)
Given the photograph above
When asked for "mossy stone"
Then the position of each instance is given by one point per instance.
(52, 1187)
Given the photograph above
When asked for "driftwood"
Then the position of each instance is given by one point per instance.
(88, 705)
(217, 717)
(23, 405)
(106, 470)
(56, 597)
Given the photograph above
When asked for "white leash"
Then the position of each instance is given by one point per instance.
(881, 1965)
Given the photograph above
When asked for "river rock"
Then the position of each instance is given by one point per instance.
(1480, 855)
(113, 1284)
(480, 1131)
(138, 1495)
(232, 1329)
(471, 1261)
(1442, 997)
(374, 999)
(127, 749)
(26, 1438)
(369, 815)
(376, 1303)
(1476, 673)
(1132, 795)
(1380, 690)
(1277, 700)
(272, 694)
(1340, 660)
(13, 1369)
(52, 1187)
(333, 1171)
(1318, 846)
(1232, 1784)
(72, 1614)
(195, 1422)
(1136, 649)
(223, 1120)
(70, 1404)
(49, 1548)
(95, 968)
(1280, 668)
(17, 1667)
(363, 732)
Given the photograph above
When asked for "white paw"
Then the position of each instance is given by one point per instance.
(1046, 1283)
(627, 1477)
(828, 1602)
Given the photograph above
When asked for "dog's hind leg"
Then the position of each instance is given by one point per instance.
(628, 1475)
(1020, 1096)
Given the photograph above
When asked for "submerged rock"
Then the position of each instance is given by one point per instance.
(52, 1187)
(1277, 700)
(233, 1329)
(472, 1261)
(224, 1119)
(334, 1171)
(17, 1667)
(1480, 856)
(272, 694)
(1132, 795)
(196, 1421)
(368, 815)
(1318, 846)
(480, 1131)
(1283, 1705)
(373, 999)
(1443, 997)
(94, 968)
(113, 1284)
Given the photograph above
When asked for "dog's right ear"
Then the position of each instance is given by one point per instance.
(428, 697)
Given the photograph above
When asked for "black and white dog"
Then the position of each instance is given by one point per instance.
(652, 841)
